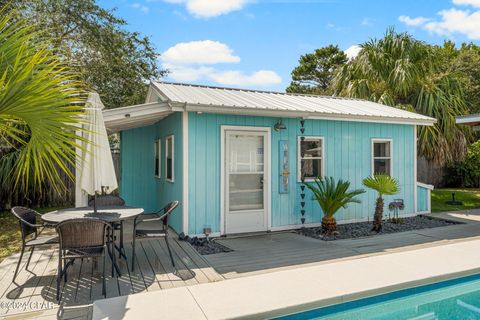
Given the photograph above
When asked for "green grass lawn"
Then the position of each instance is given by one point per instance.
(469, 197)
(10, 238)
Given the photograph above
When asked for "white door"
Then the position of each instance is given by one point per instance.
(245, 180)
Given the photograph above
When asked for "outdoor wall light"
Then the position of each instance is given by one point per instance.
(279, 126)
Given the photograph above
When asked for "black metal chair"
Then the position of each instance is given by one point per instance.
(79, 239)
(149, 233)
(31, 233)
(111, 200)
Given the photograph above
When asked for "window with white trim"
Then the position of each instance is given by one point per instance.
(169, 158)
(158, 159)
(382, 156)
(310, 158)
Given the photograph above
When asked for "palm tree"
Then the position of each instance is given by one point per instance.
(406, 73)
(331, 197)
(39, 110)
(384, 185)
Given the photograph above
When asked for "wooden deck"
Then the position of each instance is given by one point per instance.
(34, 296)
(252, 255)
(287, 250)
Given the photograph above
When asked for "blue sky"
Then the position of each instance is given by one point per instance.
(256, 43)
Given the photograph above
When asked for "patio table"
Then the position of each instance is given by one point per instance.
(110, 214)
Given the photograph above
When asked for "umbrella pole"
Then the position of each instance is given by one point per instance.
(95, 202)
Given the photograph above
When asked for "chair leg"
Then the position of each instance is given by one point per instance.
(59, 276)
(133, 253)
(170, 251)
(65, 270)
(104, 285)
(29, 257)
(18, 264)
(113, 256)
(122, 249)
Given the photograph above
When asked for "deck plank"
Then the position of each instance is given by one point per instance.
(13, 291)
(187, 261)
(153, 271)
(24, 293)
(200, 261)
(182, 273)
(160, 273)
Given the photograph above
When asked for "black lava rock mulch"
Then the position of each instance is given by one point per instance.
(363, 229)
(204, 246)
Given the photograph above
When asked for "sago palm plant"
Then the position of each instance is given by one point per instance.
(39, 109)
(384, 185)
(331, 196)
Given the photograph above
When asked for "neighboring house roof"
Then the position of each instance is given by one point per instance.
(471, 119)
(171, 97)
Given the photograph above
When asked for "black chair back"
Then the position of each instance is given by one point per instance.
(167, 210)
(107, 200)
(82, 233)
(25, 216)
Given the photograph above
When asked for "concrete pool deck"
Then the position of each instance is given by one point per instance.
(276, 293)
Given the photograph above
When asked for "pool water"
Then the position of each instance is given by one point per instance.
(448, 300)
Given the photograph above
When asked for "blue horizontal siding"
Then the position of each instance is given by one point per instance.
(347, 156)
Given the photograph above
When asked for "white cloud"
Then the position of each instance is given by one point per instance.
(195, 62)
(367, 22)
(413, 21)
(353, 51)
(223, 77)
(451, 21)
(199, 52)
(210, 8)
(456, 21)
(473, 3)
(238, 78)
(140, 7)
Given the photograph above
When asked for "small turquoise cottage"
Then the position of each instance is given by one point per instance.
(235, 158)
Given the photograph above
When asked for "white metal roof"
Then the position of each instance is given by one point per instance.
(471, 119)
(252, 102)
(135, 116)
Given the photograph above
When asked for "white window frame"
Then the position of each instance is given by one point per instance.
(172, 138)
(299, 156)
(158, 142)
(381, 140)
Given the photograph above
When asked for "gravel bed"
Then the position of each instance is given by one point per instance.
(363, 229)
(204, 246)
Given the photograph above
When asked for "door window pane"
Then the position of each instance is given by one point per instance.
(245, 172)
(246, 191)
(246, 153)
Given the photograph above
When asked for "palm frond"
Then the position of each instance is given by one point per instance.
(383, 184)
(398, 70)
(40, 108)
(331, 195)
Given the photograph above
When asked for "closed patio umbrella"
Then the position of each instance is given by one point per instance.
(97, 170)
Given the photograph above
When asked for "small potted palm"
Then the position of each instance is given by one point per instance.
(384, 185)
(331, 196)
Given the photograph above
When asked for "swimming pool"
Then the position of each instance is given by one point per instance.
(447, 300)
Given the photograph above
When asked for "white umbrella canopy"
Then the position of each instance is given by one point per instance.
(97, 170)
